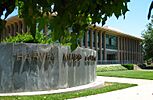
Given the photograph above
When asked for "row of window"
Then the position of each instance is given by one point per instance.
(111, 41)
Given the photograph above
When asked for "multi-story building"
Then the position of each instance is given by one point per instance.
(112, 46)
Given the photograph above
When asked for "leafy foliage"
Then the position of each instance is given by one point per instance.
(19, 38)
(28, 38)
(128, 66)
(148, 41)
(67, 19)
(150, 8)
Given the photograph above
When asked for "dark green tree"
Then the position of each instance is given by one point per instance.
(147, 42)
(67, 19)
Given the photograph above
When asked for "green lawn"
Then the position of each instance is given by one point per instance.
(128, 74)
(63, 96)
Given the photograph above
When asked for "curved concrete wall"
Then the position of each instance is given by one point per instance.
(32, 67)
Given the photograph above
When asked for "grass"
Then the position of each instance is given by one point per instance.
(128, 74)
(63, 96)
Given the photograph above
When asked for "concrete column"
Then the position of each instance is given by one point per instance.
(122, 59)
(96, 40)
(100, 45)
(127, 49)
(123, 49)
(81, 42)
(12, 30)
(0, 37)
(91, 39)
(15, 28)
(9, 30)
(6, 31)
(118, 51)
(86, 39)
(141, 54)
(19, 27)
(121, 55)
(104, 45)
(137, 51)
(132, 52)
(3, 34)
(45, 30)
(24, 27)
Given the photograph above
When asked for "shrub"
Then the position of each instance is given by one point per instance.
(19, 38)
(27, 38)
(149, 61)
(143, 66)
(128, 66)
(110, 68)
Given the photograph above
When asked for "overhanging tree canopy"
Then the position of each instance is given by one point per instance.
(67, 19)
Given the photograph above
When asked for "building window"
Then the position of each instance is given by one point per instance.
(107, 39)
(98, 54)
(111, 42)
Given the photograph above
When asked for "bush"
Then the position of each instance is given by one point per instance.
(27, 38)
(128, 66)
(149, 61)
(19, 38)
(110, 68)
(143, 66)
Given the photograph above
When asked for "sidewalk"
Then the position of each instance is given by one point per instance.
(144, 90)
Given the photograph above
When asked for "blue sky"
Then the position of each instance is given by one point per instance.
(135, 20)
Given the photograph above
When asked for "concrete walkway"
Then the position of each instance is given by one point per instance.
(144, 90)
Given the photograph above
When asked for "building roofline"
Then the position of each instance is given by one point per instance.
(115, 32)
(12, 19)
(105, 29)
